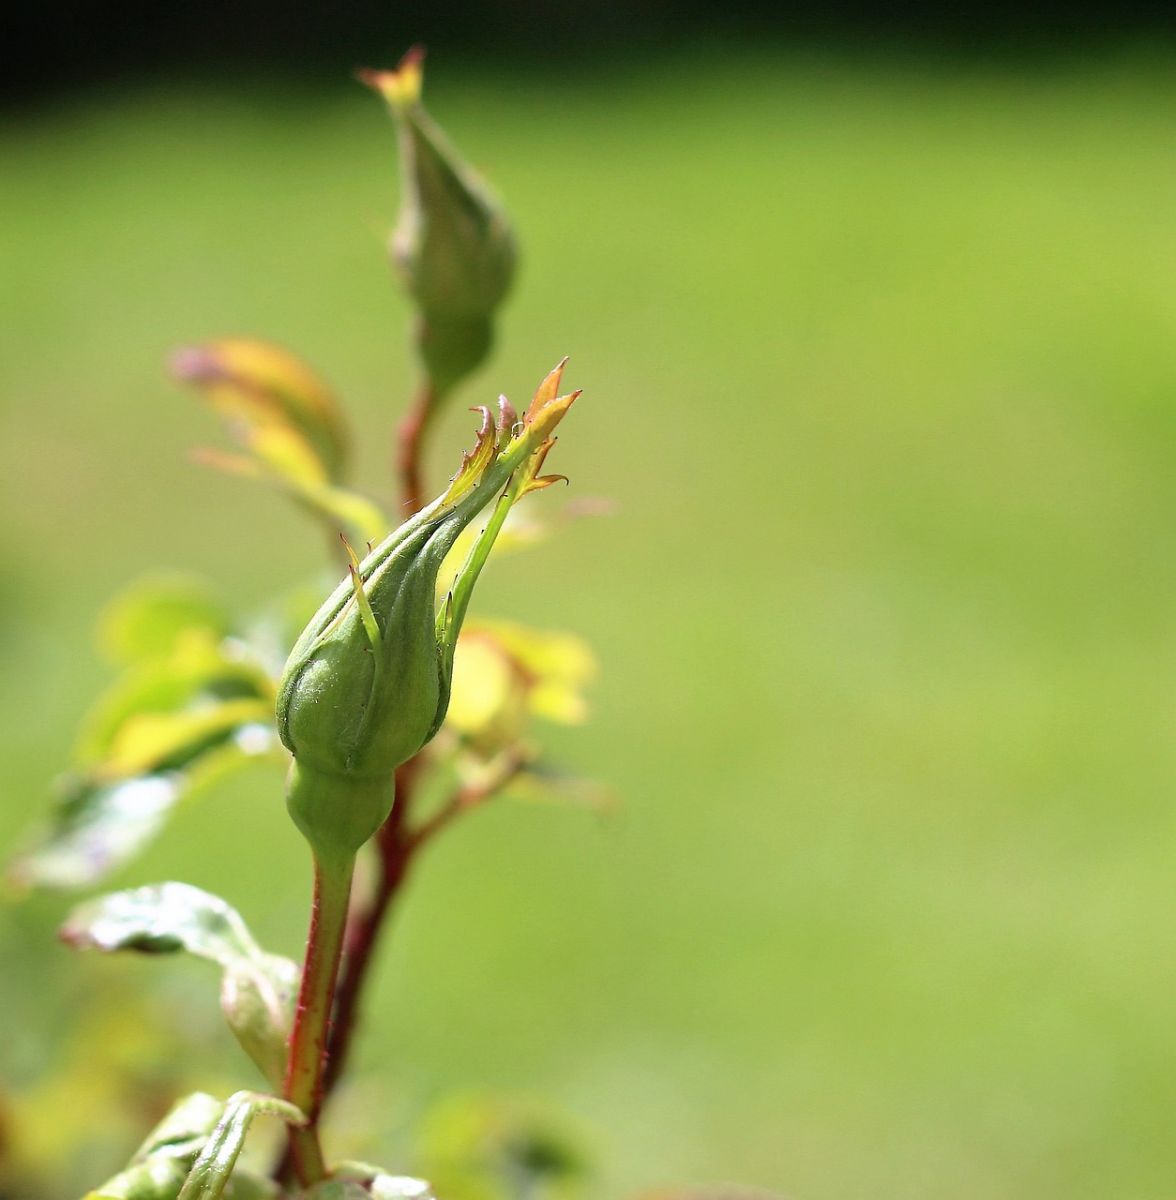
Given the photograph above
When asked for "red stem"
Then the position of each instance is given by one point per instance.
(409, 448)
(397, 843)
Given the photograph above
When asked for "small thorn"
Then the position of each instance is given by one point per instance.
(487, 420)
(352, 556)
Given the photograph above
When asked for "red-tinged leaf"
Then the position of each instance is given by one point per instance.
(402, 86)
(255, 385)
(475, 462)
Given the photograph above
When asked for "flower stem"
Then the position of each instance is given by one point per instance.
(410, 445)
(397, 844)
(306, 1063)
(393, 847)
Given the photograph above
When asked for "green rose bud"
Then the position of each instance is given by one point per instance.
(367, 683)
(452, 245)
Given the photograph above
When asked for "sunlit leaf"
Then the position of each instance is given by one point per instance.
(94, 829)
(200, 670)
(98, 826)
(197, 708)
(505, 673)
(558, 665)
(162, 919)
(340, 508)
(343, 510)
(287, 423)
(288, 455)
(487, 697)
(258, 989)
(149, 740)
(257, 386)
(149, 616)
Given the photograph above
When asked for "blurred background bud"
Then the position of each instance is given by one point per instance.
(453, 245)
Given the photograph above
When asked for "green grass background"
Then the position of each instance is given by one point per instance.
(879, 367)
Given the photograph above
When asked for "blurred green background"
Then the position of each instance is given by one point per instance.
(879, 366)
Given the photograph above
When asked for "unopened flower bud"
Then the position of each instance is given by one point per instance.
(453, 244)
(367, 683)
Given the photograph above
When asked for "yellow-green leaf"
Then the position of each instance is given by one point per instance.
(259, 387)
(151, 615)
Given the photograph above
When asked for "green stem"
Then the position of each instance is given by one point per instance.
(306, 1064)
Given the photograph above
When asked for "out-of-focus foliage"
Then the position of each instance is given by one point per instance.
(506, 675)
(193, 703)
(889, 436)
(481, 1147)
(108, 1083)
(257, 989)
(512, 673)
(159, 1167)
(287, 421)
